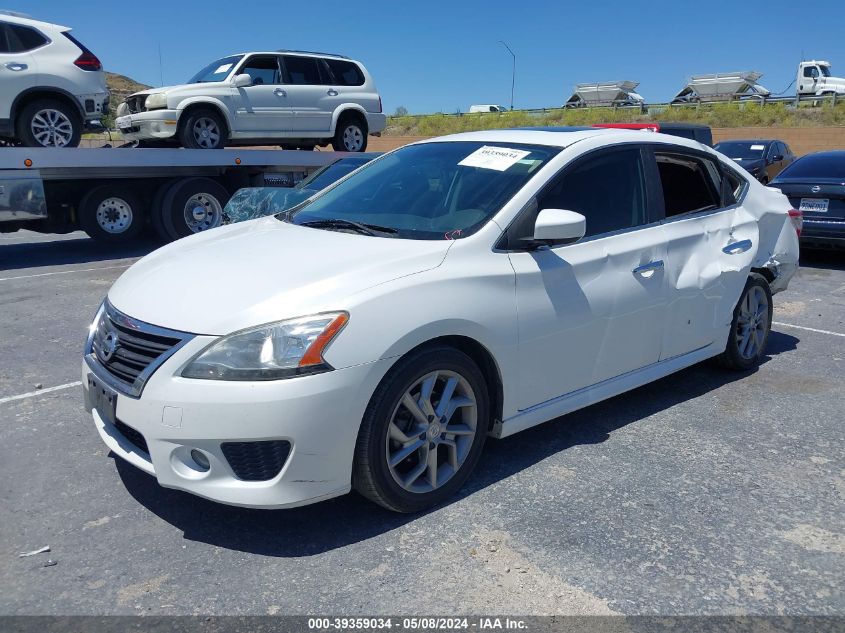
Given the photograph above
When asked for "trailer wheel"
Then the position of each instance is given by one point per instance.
(193, 205)
(157, 210)
(112, 214)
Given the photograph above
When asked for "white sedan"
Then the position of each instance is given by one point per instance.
(468, 286)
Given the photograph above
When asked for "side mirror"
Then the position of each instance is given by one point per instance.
(777, 158)
(555, 227)
(242, 81)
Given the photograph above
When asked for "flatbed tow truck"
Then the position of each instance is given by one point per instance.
(113, 194)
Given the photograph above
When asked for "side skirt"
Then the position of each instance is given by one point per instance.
(601, 391)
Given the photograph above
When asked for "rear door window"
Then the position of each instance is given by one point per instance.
(690, 183)
(346, 73)
(22, 39)
(608, 188)
(302, 71)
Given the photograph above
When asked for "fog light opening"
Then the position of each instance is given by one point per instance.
(200, 460)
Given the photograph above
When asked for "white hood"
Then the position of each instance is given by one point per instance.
(261, 271)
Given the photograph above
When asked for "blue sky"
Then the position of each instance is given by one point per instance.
(443, 56)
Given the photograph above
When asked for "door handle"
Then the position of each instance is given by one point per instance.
(331, 92)
(16, 66)
(735, 248)
(647, 270)
(280, 93)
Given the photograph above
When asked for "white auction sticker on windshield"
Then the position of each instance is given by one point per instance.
(498, 158)
(758, 147)
(222, 69)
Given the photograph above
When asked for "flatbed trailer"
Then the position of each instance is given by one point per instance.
(113, 194)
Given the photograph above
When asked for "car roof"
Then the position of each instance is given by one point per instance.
(750, 140)
(566, 136)
(293, 52)
(13, 17)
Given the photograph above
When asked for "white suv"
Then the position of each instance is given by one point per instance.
(290, 98)
(50, 84)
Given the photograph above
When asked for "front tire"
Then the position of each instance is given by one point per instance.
(203, 128)
(111, 214)
(423, 431)
(750, 327)
(49, 123)
(350, 134)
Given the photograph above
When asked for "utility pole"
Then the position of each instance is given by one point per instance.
(513, 71)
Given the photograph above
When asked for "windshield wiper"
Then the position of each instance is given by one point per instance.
(359, 227)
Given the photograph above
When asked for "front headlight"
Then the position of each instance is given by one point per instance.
(156, 101)
(122, 109)
(269, 352)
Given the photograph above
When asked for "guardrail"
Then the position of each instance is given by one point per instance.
(644, 108)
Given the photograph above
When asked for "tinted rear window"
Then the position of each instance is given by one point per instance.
(817, 166)
(21, 39)
(346, 73)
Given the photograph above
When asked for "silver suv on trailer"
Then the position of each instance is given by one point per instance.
(50, 84)
(290, 98)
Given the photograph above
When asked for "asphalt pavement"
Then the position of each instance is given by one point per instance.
(703, 493)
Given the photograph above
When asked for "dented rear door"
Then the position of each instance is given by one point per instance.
(709, 252)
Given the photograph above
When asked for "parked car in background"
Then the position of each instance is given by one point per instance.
(51, 86)
(465, 286)
(763, 159)
(487, 108)
(815, 185)
(694, 131)
(256, 202)
(291, 98)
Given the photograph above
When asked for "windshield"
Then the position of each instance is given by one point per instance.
(322, 178)
(429, 191)
(825, 71)
(216, 71)
(744, 150)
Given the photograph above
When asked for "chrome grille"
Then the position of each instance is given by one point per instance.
(129, 350)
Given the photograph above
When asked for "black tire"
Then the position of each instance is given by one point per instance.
(350, 134)
(68, 119)
(371, 475)
(211, 196)
(734, 358)
(203, 117)
(157, 210)
(112, 213)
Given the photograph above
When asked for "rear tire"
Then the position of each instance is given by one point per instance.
(401, 417)
(49, 123)
(112, 214)
(203, 128)
(350, 134)
(750, 327)
(192, 206)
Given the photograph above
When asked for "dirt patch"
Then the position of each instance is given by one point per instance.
(816, 539)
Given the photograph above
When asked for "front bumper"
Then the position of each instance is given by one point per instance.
(148, 125)
(318, 415)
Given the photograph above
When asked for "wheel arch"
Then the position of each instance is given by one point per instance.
(345, 110)
(43, 92)
(481, 356)
(189, 105)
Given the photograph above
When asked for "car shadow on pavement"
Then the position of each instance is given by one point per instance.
(823, 258)
(70, 251)
(350, 519)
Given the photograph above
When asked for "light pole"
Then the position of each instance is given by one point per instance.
(513, 72)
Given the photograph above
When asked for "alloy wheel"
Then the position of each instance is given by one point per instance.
(431, 431)
(753, 323)
(206, 133)
(51, 128)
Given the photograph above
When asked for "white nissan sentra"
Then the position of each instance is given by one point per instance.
(479, 284)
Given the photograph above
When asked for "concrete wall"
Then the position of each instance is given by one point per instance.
(802, 140)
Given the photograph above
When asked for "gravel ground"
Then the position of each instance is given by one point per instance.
(703, 493)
